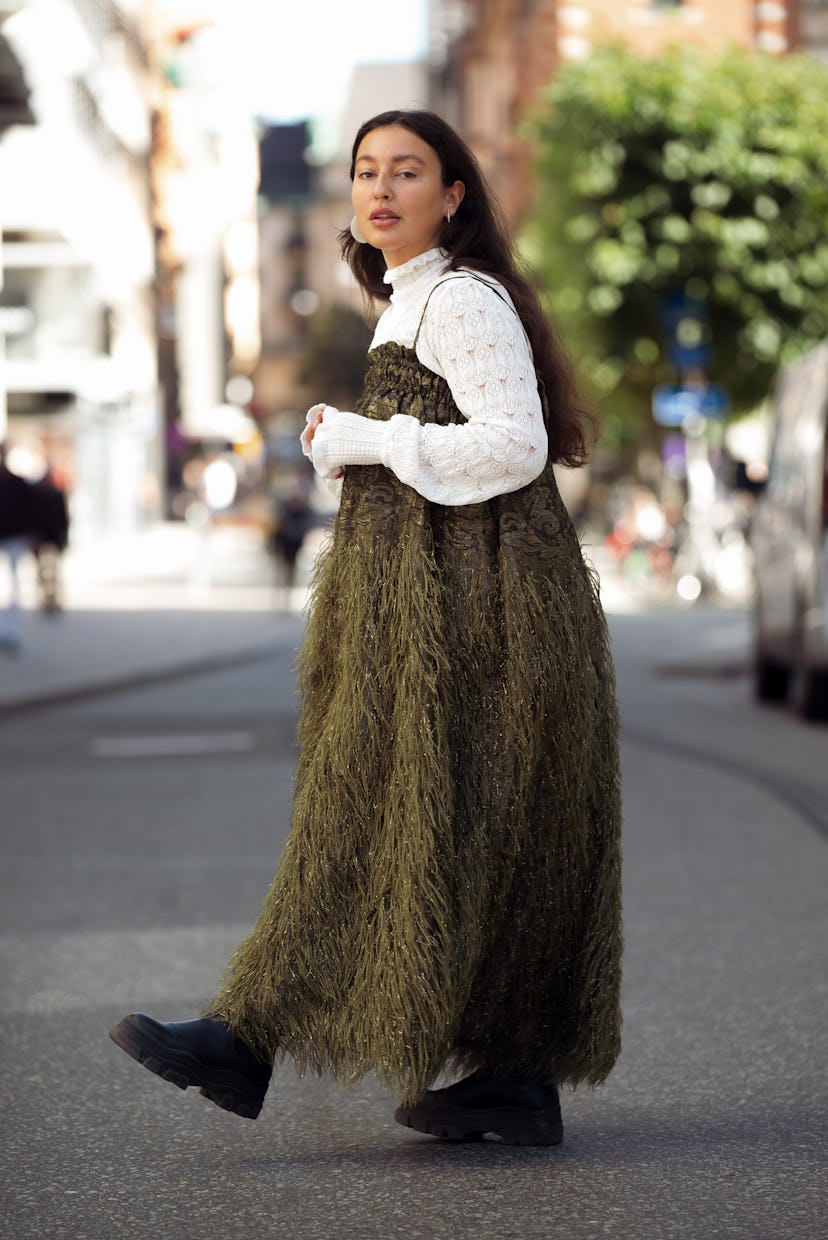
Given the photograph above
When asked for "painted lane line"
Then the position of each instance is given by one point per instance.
(172, 746)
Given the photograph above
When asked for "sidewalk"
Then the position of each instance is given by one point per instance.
(173, 600)
(170, 600)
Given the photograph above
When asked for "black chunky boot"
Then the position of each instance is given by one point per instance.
(203, 1053)
(518, 1111)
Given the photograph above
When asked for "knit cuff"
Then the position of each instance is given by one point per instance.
(348, 439)
(363, 439)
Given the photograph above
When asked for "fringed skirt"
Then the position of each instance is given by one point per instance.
(449, 896)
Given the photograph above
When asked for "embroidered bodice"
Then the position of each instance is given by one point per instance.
(471, 336)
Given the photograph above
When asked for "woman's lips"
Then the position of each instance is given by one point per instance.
(384, 219)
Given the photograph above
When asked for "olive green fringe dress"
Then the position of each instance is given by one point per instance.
(449, 896)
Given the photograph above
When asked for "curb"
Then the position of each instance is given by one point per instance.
(201, 666)
(720, 669)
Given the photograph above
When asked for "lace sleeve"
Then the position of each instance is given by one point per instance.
(478, 343)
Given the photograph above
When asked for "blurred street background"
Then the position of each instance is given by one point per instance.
(173, 174)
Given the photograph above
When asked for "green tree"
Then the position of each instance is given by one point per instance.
(682, 174)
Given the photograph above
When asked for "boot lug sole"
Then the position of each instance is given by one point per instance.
(513, 1127)
(175, 1069)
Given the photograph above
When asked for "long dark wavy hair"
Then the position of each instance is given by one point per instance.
(477, 237)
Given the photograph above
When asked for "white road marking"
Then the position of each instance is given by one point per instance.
(171, 746)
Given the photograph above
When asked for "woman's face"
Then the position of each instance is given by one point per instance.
(398, 194)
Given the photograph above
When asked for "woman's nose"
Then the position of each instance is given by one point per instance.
(382, 188)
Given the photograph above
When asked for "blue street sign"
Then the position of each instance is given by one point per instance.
(672, 405)
(684, 320)
(713, 400)
(689, 356)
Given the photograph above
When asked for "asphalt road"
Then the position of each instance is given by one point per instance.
(139, 833)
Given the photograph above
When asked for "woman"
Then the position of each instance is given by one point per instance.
(449, 896)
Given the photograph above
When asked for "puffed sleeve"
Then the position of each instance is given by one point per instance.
(479, 344)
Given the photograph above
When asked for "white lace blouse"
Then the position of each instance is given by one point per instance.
(473, 338)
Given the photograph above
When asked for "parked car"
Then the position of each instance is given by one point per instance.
(789, 541)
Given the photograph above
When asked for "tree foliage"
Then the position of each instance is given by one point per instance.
(333, 360)
(687, 174)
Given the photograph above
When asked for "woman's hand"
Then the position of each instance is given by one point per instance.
(312, 418)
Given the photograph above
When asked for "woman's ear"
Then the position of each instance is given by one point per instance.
(455, 195)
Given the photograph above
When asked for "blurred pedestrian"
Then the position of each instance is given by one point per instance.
(294, 518)
(449, 895)
(15, 526)
(50, 538)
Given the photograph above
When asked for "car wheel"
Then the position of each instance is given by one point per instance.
(771, 679)
(810, 692)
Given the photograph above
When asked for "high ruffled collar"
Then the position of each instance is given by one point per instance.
(408, 273)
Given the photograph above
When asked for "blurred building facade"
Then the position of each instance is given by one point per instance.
(288, 198)
(130, 292)
(490, 59)
(79, 379)
(813, 27)
(204, 172)
(144, 269)
(306, 289)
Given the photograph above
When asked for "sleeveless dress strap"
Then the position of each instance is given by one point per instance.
(471, 275)
(459, 276)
